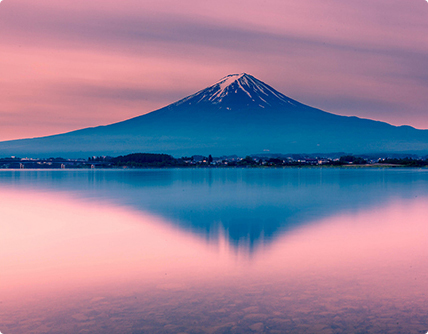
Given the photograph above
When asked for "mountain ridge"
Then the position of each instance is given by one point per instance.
(238, 114)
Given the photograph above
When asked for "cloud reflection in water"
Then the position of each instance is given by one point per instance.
(71, 263)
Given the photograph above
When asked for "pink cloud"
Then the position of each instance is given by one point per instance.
(72, 64)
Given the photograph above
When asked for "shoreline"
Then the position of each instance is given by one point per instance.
(365, 166)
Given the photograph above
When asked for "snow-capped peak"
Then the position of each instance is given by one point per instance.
(239, 89)
(225, 83)
(228, 80)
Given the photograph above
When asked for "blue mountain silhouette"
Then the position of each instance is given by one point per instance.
(237, 115)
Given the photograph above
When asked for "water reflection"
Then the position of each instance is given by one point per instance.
(78, 264)
(249, 207)
(63, 243)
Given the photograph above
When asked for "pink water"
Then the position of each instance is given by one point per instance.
(73, 266)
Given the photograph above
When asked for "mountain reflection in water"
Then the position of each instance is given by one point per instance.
(248, 206)
(167, 251)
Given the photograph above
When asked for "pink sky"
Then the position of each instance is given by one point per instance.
(66, 64)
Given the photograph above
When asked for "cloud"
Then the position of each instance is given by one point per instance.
(97, 62)
(109, 93)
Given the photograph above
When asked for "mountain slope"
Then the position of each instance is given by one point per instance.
(237, 115)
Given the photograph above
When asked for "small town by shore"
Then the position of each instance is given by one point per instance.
(152, 160)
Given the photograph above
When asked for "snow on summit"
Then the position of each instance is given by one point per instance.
(239, 90)
(228, 80)
(225, 83)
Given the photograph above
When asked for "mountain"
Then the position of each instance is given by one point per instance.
(237, 115)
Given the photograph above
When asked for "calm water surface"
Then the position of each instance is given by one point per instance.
(214, 251)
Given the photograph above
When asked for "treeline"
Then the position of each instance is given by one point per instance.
(301, 161)
(405, 162)
(402, 162)
(153, 160)
(137, 160)
(146, 160)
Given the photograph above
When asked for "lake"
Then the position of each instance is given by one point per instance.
(310, 250)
